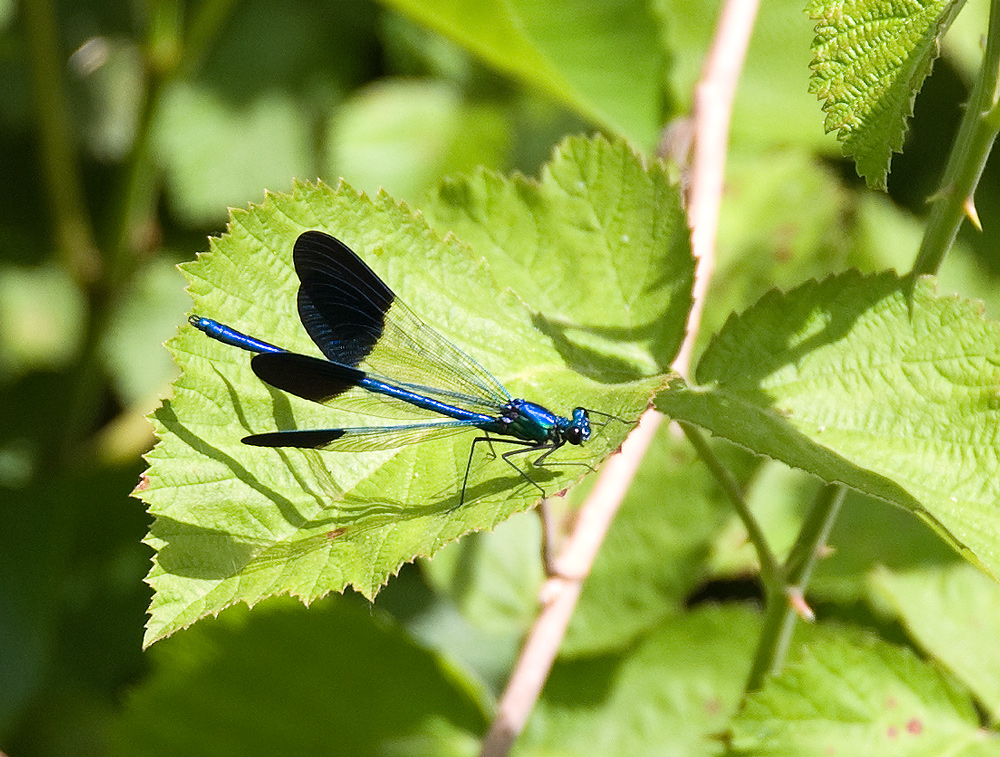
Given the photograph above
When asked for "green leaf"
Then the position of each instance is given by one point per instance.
(599, 248)
(334, 680)
(403, 134)
(954, 615)
(672, 693)
(871, 58)
(201, 139)
(862, 698)
(238, 523)
(580, 52)
(863, 381)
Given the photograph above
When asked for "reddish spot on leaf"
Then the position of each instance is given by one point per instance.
(891, 703)
(784, 240)
(914, 726)
(892, 732)
(143, 483)
(331, 535)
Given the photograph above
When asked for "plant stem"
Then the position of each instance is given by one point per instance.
(134, 194)
(207, 22)
(75, 241)
(60, 170)
(781, 614)
(770, 571)
(562, 590)
(954, 201)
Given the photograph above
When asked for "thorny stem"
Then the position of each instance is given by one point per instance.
(954, 201)
(782, 611)
(770, 571)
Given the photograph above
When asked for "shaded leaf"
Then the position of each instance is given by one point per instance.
(404, 134)
(871, 58)
(672, 693)
(286, 681)
(859, 697)
(954, 615)
(579, 53)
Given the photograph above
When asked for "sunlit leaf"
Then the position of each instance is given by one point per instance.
(871, 58)
(891, 390)
(238, 523)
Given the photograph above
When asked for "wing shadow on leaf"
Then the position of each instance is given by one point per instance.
(166, 415)
(600, 366)
(219, 554)
(660, 338)
(210, 553)
(749, 349)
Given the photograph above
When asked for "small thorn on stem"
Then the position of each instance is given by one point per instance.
(970, 210)
(799, 604)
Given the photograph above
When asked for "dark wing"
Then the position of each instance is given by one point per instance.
(354, 318)
(361, 439)
(304, 376)
(342, 303)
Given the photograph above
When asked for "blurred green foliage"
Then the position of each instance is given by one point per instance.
(127, 129)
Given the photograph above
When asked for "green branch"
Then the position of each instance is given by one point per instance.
(781, 614)
(954, 201)
(769, 569)
(60, 170)
(783, 584)
(102, 268)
